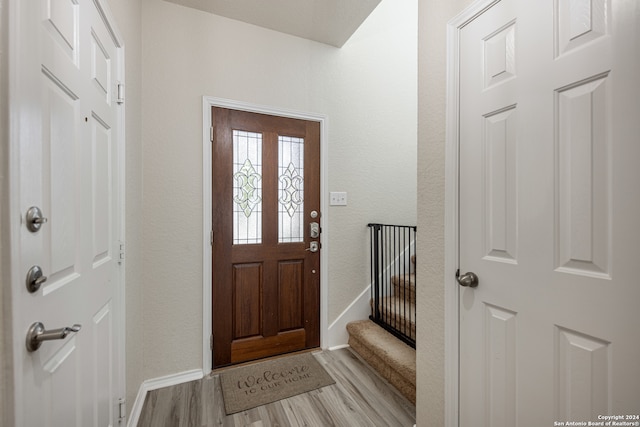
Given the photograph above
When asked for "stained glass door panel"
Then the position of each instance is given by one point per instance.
(247, 189)
(290, 189)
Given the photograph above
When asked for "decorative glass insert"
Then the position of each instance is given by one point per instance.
(290, 189)
(247, 187)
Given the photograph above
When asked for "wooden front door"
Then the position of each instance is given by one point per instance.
(266, 264)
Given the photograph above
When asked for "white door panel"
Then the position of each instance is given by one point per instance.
(548, 212)
(69, 63)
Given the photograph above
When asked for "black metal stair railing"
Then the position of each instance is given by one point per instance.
(393, 305)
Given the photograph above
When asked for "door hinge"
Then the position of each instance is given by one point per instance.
(121, 254)
(122, 409)
(211, 135)
(120, 97)
(211, 342)
(211, 237)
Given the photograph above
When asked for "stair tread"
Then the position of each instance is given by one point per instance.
(394, 311)
(404, 279)
(404, 286)
(397, 305)
(387, 347)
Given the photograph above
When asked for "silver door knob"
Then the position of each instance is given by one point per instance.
(467, 279)
(34, 219)
(313, 247)
(37, 334)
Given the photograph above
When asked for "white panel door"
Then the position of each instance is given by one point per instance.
(65, 83)
(549, 208)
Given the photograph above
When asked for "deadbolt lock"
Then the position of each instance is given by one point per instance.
(35, 278)
(34, 219)
(314, 230)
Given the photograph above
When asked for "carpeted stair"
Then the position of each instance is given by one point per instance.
(391, 358)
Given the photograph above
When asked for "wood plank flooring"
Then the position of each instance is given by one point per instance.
(360, 397)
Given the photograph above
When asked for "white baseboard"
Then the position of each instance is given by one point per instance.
(338, 347)
(359, 309)
(157, 383)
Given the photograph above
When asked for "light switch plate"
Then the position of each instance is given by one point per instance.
(338, 198)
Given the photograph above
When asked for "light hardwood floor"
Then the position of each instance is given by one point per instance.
(360, 397)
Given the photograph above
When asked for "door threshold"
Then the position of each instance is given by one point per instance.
(253, 362)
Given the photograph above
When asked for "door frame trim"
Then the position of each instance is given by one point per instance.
(452, 218)
(207, 221)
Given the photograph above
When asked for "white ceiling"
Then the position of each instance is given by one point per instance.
(326, 21)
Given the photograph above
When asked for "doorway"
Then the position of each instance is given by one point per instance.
(265, 235)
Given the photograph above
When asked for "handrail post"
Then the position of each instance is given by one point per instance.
(376, 269)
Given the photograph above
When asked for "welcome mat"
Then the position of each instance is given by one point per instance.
(255, 385)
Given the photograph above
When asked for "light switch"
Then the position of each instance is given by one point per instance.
(338, 198)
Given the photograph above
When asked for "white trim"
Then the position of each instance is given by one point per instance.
(103, 9)
(207, 226)
(451, 291)
(10, 241)
(338, 347)
(359, 309)
(452, 194)
(120, 323)
(207, 103)
(156, 383)
(121, 319)
(15, 10)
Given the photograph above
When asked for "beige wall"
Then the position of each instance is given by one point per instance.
(433, 17)
(368, 91)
